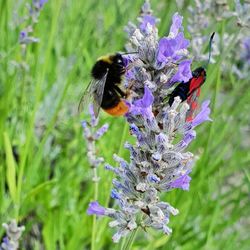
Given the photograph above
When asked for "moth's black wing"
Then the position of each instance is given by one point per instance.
(93, 94)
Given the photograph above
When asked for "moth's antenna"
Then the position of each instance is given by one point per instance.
(210, 48)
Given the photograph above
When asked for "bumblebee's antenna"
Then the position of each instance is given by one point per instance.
(128, 53)
(210, 48)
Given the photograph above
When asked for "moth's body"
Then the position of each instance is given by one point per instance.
(190, 91)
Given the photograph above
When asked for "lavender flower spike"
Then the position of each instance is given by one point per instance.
(92, 134)
(32, 17)
(14, 233)
(158, 162)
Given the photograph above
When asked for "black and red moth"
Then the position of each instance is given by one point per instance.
(190, 91)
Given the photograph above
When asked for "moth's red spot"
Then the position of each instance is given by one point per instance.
(189, 118)
(194, 105)
(198, 92)
(196, 82)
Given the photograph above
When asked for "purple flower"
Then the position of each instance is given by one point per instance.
(188, 137)
(147, 19)
(94, 120)
(42, 2)
(246, 50)
(39, 3)
(115, 195)
(176, 25)
(24, 38)
(127, 59)
(143, 106)
(182, 182)
(203, 115)
(153, 178)
(184, 72)
(171, 49)
(101, 131)
(22, 35)
(6, 241)
(84, 124)
(95, 208)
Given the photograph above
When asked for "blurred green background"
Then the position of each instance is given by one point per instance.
(45, 179)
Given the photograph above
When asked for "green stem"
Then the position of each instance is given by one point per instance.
(130, 240)
(93, 237)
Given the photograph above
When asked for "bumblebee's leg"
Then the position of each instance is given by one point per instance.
(122, 94)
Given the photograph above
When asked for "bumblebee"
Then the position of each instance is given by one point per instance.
(103, 90)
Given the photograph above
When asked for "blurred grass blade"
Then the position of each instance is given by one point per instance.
(39, 188)
(11, 168)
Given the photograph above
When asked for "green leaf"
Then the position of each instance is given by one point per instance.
(11, 168)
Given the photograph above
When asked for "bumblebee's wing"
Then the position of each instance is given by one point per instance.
(85, 99)
(93, 94)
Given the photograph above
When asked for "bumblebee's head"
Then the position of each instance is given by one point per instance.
(199, 72)
(118, 63)
(118, 60)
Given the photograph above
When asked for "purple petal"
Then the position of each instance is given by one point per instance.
(182, 182)
(127, 59)
(181, 42)
(143, 105)
(6, 241)
(176, 25)
(42, 2)
(188, 137)
(115, 194)
(203, 115)
(23, 34)
(94, 120)
(129, 75)
(84, 124)
(170, 49)
(153, 178)
(245, 54)
(95, 208)
(246, 43)
(184, 72)
(146, 100)
(99, 133)
(147, 19)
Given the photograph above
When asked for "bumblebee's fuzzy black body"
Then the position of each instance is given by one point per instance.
(103, 90)
(114, 66)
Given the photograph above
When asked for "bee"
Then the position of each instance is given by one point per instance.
(103, 90)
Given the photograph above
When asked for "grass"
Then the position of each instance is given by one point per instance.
(45, 179)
